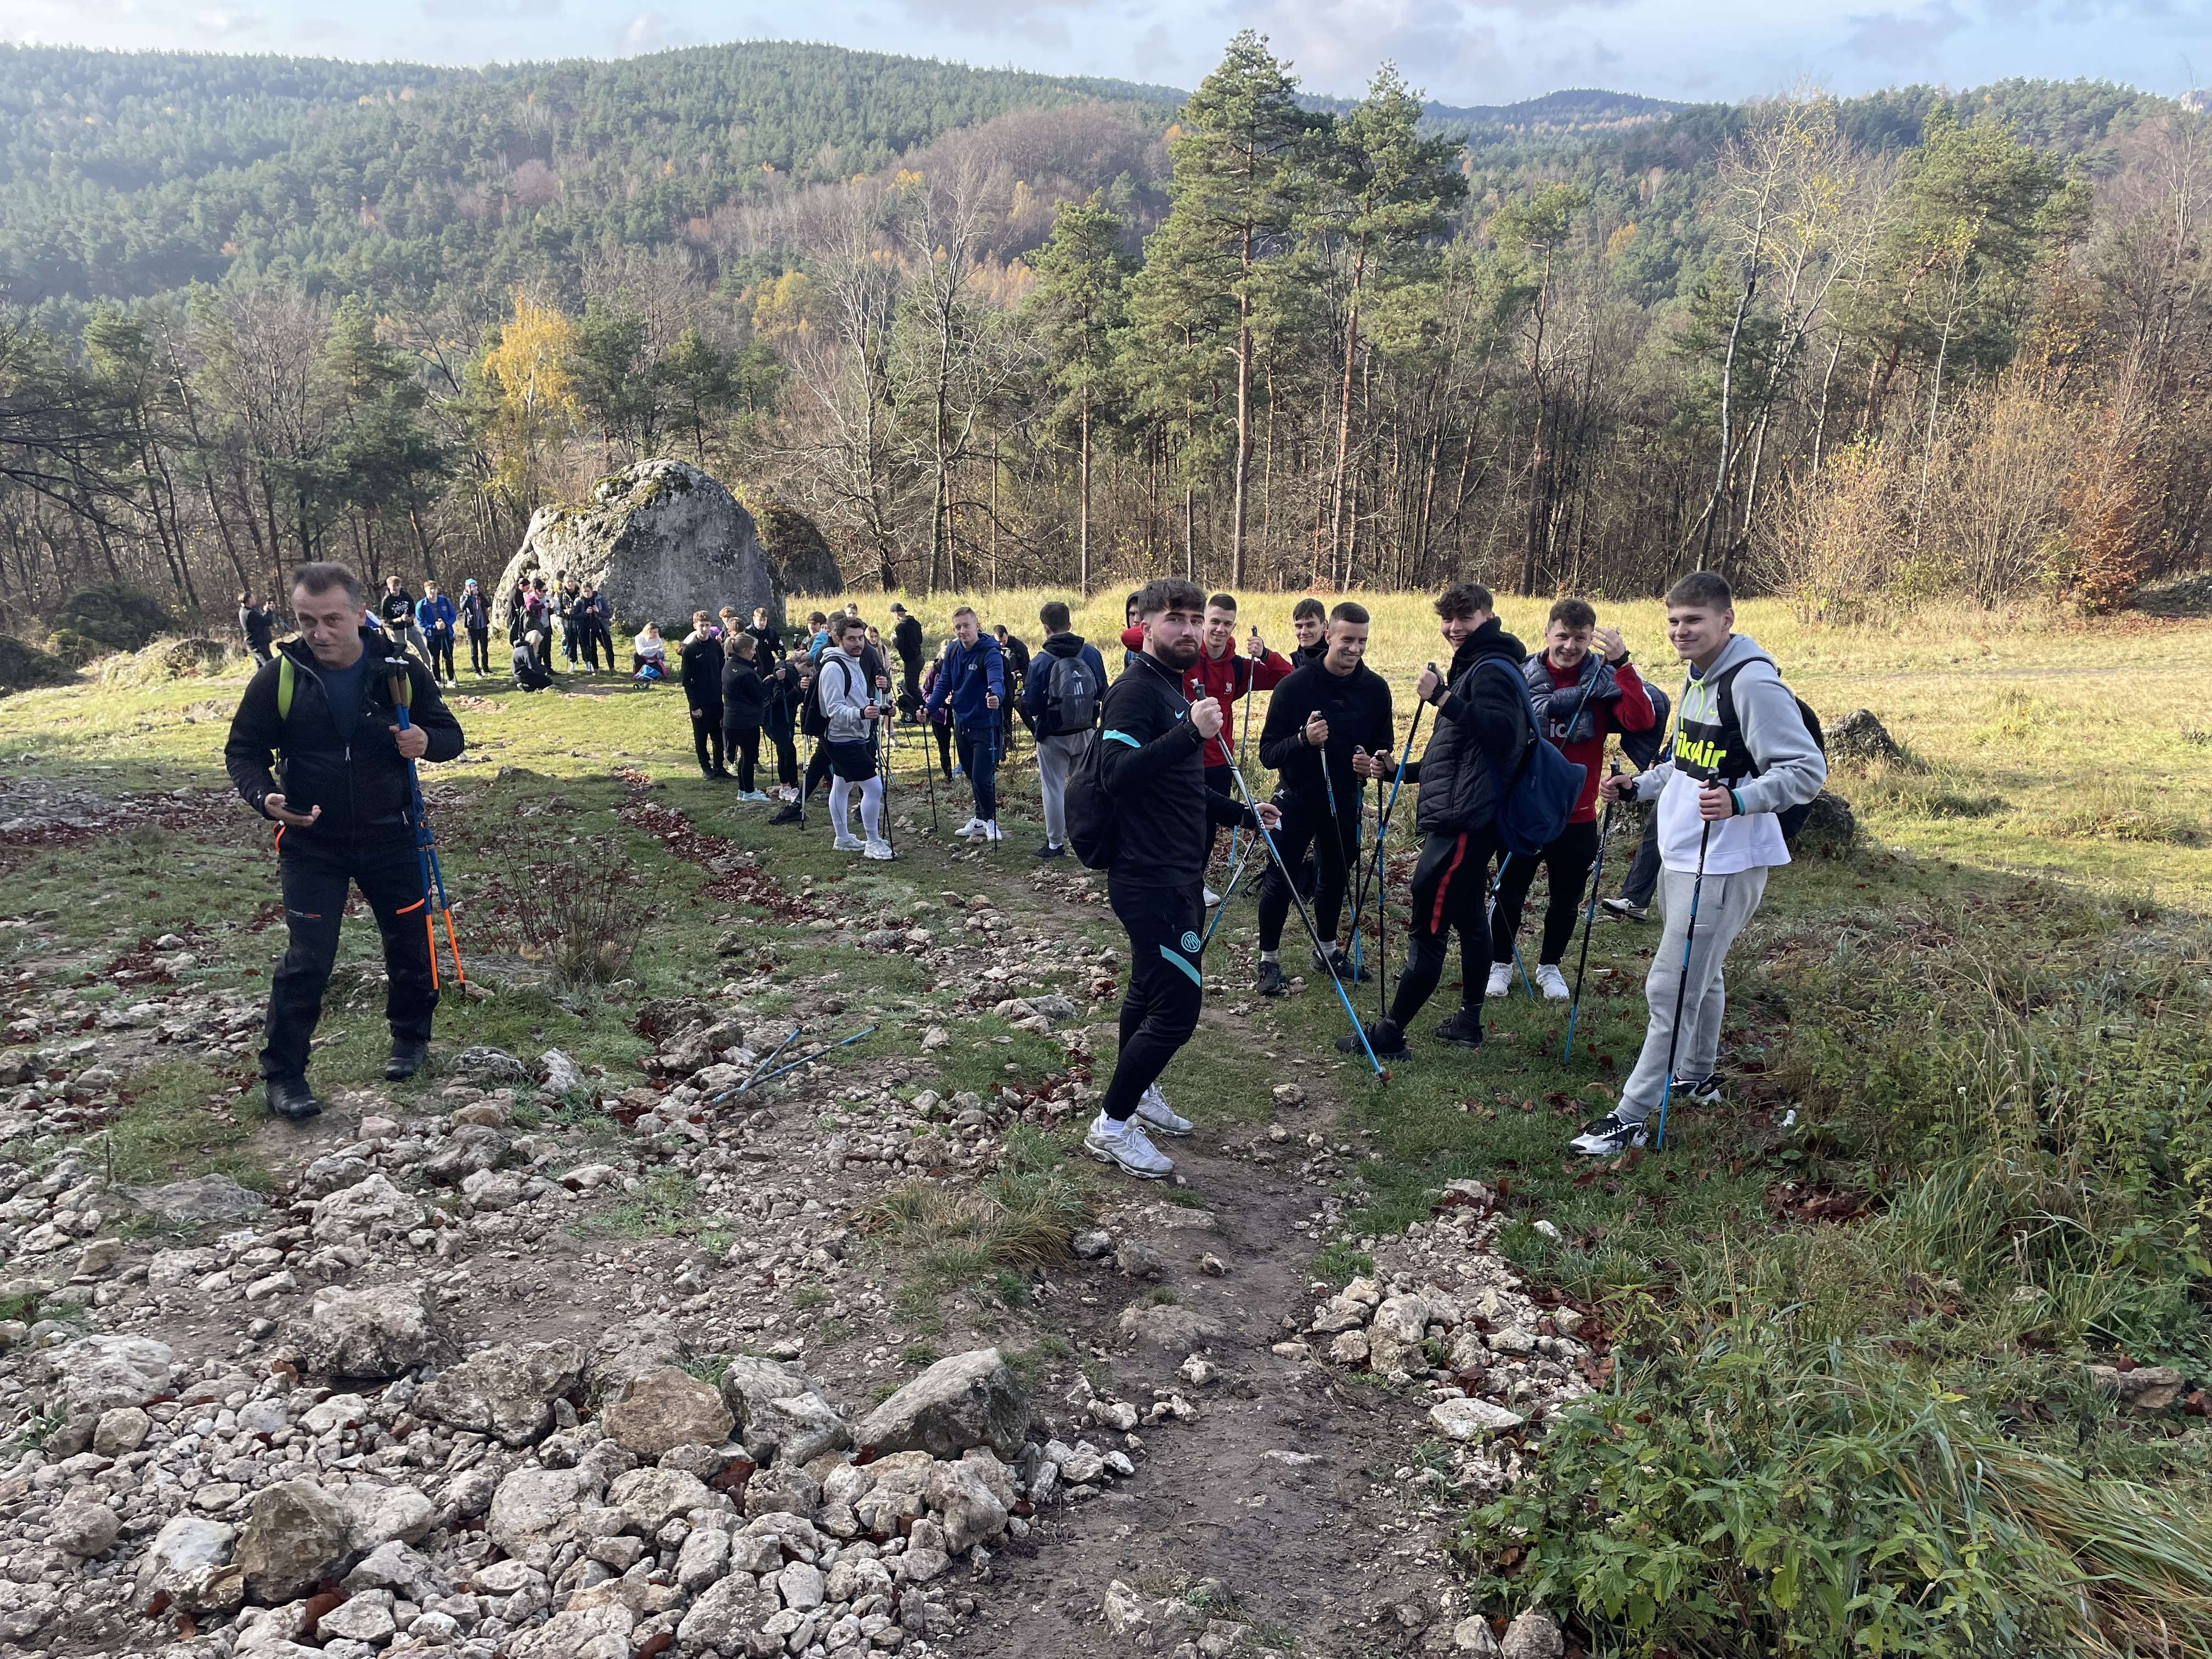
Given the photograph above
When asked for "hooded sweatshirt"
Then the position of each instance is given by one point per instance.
(1037, 690)
(844, 692)
(1785, 768)
(968, 674)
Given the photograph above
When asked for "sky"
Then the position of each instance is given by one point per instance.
(1458, 52)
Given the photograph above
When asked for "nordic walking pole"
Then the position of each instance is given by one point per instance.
(426, 848)
(885, 737)
(1682, 988)
(1235, 875)
(806, 1059)
(1589, 916)
(1382, 822)
(1236, 772)
(1490, 912)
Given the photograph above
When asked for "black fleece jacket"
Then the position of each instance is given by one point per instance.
(1154, 770)
(1356, 707)
(362, 786)
(744, 693)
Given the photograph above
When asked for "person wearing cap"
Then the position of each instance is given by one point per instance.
(476, 620)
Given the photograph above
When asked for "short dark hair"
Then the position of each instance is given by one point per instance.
(1130, 603)
(1168, 594)
(1464, 599)
(1308, 606)
(1575, 613)
(846, 625)
(1224, 602)
(815, 619)
(898, 610)
(1053, 613)
(320, 575)
(1708, 590)
(1351, 612)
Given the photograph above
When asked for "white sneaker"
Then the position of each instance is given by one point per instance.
(1209, 897)
(1551, 983)
(877, 849)
(1609, 1134)
(1154, 1109)
(1128, 1145)
(972, 828)
(1501, 980)
(991, 832)
(786, 793)
(845, 843)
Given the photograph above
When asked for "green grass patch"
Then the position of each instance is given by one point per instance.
(661, 1205)
(182, 1118)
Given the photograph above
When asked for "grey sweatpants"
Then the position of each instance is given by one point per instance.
(1054, 756)
(1724, 905)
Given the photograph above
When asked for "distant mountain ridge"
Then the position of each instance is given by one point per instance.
(1574, 109)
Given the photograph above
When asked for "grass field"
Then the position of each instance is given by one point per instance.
(1967, 1145)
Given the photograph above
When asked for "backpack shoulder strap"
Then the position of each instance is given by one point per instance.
(288, 680)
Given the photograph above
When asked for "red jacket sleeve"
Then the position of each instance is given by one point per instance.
(1270, 671)
(1633, 712)
(1133, 638)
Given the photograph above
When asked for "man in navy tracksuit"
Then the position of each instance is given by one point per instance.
(344, 811)
(973, 682)
(1152, 742)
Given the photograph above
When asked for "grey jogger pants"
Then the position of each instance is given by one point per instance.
(1726, 903)
(1055, 757)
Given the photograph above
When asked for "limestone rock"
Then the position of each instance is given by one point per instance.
(483, 1064)
(1859, 736)
(104, 1373)
(203, 1198)
(722, 1617)
(376, 1516)
(121, 1431)
(1472, 1420)
(369, 1209)
(508, 1390)
(666, 1408)
(297, 1535)
(782, 1414)
(967, 1507)
(1168, 1325)
(189, 1561)
(2146, 1388)
(653, 538)
(599, 1632)
(535, 1511)
(965, 1400)
(654, 1498)
(1471, 1635)
(1533, 1635)
(82, 1524)
(375, 1333)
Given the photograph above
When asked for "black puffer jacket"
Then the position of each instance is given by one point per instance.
(361, 787)
(1480, 734)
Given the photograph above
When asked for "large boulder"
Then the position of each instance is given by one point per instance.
(189, 1561)
(795, 546)
(968, 1400)
(659, 540)
(782, 1414)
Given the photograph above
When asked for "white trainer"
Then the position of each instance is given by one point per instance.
(1154, 1109)
(991, 831)
(1209, 897)
(1501, 980)
(878, 850)
(1128, 1145)
(1551, 983)
(1609, 1134)
(846, 844)
(973, 827)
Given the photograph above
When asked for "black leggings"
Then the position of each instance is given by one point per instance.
(442, 650)
(480, 650)
(744, 742)
(707, 735)
(1307, 824)
(1160, 1009)
(1451, 887)
(943, 749)
(1568, 860)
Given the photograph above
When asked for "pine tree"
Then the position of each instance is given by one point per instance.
(1080, 304)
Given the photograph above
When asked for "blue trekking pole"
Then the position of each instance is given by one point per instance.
(1236, 874)
(1383, 821)
(1236, 772)
(1589, 917)
(1682, 989)
(1490, 908)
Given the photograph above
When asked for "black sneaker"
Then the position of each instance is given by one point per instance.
(1463, 1030)
(1388, 1041)
(1609, 1134)
(408, 1056)
(1335, 959)
(1271, 979)
(720, 772)
(1702, 1092)
(1048, 851)
(290, 1099)
(1621, 910)
(789, 814)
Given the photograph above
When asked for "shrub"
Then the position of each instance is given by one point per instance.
(24, 667)
(114, 616)
(584, 914)
(166, 659)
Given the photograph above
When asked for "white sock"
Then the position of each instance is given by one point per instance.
(840, 808)
(1269, 955)
(872, 808)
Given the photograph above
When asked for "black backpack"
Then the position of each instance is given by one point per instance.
(1072, 693)
(1792, 819)
(1092, 830)
(1645, 748)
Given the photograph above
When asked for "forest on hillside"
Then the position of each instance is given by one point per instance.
(984, 326)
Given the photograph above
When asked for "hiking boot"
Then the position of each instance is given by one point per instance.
(1501, 980)
(1271, 979)
(1609, 1134)
(290, 1099)
(877, 849)
(1551, 983)
(1334, 960)
(1621, 910)
(1050, 851)
(1127, 1145)
(409, 1056)
(1702, 1092)
(1463, 1030)
(789, 814)
(721, 772)
(1388, 1041)
(1157, 1114)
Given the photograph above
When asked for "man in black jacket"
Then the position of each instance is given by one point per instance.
(476, 622)
(397, 608)
(258, 625)
(1474, 751)
(1334, 712)
(702, 669)
(1154, 771)
(906, 640)
(344, 813)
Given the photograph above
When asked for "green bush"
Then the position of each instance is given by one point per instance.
(114, 616)
(24, 667)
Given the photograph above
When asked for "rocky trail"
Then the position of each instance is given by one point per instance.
(545, 1360)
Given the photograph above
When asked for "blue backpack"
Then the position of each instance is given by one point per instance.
(1533, 808)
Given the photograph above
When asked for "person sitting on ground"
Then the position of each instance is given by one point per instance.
(1743, 754)
(1328, 730)
(745, 705)
(1475, 749)
(1580, 695)
(850, 712)
(701, 666)
(1059, 703)
(649, 658)
(530, 674)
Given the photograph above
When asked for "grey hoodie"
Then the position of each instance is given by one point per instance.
(845, 693)
(1791, 769)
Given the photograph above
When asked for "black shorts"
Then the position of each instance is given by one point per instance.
(854, 762)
